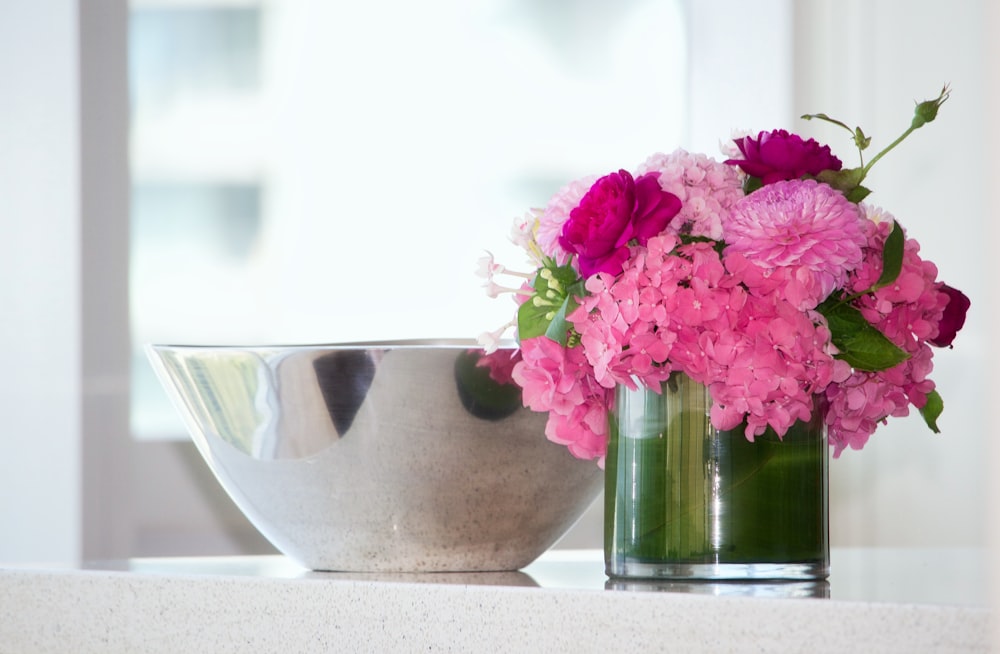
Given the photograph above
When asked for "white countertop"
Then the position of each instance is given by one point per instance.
(878, 600)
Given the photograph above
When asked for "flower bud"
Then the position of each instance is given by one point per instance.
(927, 110)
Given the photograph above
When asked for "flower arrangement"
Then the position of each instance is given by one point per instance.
(765, 276)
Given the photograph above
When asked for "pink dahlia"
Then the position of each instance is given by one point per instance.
(777, 155)
(706, 188)
(809, 229)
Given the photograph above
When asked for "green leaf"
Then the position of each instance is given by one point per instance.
(826, 118)
(751, 184)
(932, 410)
(558, 329)
(857, 194)
(845, 180)
(544, 313)
(861, 345)
(563, 277)
(892, 257)
(861, 140)
(532, 320)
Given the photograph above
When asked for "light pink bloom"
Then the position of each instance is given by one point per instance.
(556, 213)
(706, 188)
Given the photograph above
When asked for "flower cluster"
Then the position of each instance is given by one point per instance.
(764, 277)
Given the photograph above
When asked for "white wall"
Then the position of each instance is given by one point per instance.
(866, 62)
(40, 473)
(991, 234)
(65, 479)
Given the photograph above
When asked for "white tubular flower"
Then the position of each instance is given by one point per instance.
(494, 290)
(522, 231)
(490, 341)
(488, 267)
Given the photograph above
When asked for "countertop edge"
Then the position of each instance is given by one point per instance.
(101, 611)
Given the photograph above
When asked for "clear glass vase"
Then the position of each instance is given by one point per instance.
(684, 500)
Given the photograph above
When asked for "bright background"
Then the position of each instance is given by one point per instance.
(321, 172)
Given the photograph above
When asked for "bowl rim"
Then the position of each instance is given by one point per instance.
(406, 343)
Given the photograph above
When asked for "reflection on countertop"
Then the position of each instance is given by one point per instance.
(935, 576)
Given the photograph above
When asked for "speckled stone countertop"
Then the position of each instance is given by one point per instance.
(878, 600)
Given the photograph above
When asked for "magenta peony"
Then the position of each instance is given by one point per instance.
(616, 210)
(778, 155)
(954, 316)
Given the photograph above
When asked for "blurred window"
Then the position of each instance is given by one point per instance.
(307, 171)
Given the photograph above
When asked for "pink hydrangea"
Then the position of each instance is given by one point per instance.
(779, 359)
(801, 227)
(725, 288)
(706, 188)
(626, 322)
(557, 380)
(676, 307)
(908, 312)
(584, 431)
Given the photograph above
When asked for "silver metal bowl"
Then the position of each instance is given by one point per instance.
(404, 456)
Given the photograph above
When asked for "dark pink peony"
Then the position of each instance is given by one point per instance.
(777, 156)
(953, 318)
(616, 210)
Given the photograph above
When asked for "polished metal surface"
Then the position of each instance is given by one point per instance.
(402, 456)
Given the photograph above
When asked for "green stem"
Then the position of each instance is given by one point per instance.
(902, 137)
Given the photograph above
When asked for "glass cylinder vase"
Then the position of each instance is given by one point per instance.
(684, 500)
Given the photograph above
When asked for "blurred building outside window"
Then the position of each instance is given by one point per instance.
(306, 171)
